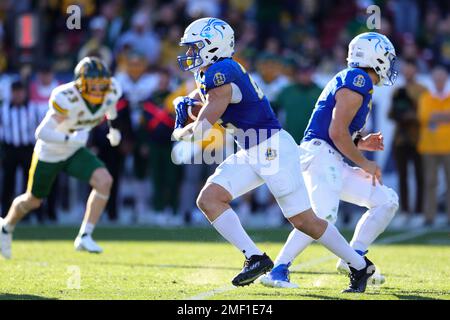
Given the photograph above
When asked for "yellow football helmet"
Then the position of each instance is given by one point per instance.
(93, 79)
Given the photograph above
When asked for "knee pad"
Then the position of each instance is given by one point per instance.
(387, 198)
(283, 183)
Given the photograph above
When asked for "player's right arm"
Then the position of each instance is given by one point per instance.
(47, 131)
(347, 105)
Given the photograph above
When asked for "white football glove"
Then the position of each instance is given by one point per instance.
(114, 137)
(79, 137)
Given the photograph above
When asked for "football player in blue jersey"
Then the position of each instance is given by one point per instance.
(334, 133)
(267, 154)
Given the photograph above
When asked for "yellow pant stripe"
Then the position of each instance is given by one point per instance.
(34, 162)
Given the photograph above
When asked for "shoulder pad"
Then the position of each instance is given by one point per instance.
(220, 73)
(64, 98)
(358, 80)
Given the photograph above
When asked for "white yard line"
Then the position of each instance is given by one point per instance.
(392, 239)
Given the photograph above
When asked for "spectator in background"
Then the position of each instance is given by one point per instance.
(138, 85)
(202, 8)
(297, 32)
(88, 7)
(18, 122)
(406, 15)
(167, 18)
(159, 123)
(170, 48)
(336, 62)
(429, 28)
(406, 137)
(3, 55)
(442, 43)
(97, 41)
(141, 38)
(269, 76)
(5, 87)
(112, 10)
(296, 101)
(410, 51)
(434, 143)
(41, 87)
(267, 15)
(63, 59)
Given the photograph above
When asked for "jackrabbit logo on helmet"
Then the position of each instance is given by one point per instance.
(212, 28)
(381, 42)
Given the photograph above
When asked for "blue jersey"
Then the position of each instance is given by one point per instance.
(354, 79)
(253, 114)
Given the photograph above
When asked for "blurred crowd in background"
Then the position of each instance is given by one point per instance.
(285, 44)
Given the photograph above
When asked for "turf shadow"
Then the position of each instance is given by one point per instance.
(414, 297)
(11, 296)
(289, 295)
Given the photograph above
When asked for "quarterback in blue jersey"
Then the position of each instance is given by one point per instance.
(333, 133)
(267, 154)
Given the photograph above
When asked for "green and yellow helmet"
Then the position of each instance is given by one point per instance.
(93, 79)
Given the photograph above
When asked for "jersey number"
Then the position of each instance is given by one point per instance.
(255, 86)
(70, 94)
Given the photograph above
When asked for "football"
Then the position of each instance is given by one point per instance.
(193, 112)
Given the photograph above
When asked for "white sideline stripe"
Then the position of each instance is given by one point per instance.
(392, 239)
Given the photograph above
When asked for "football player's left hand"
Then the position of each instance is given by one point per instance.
(114, 137)
(372, 142)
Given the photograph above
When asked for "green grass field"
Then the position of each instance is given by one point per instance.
(155, 263)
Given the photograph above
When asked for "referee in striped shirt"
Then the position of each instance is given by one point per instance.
(18, 122)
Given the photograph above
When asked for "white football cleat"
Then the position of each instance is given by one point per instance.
(5, 242)
(376, 279)
(267, 281)
(86, 243)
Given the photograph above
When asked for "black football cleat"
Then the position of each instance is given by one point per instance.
(358, 278)
(254, 267)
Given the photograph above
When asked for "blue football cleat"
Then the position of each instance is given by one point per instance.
(278, 278)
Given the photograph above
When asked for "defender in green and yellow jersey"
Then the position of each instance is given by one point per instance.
(74, 109)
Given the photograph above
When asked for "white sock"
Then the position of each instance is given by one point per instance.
(336, 243)
(295, 244)
(87, 228)
(229, 226)
(8, 227)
